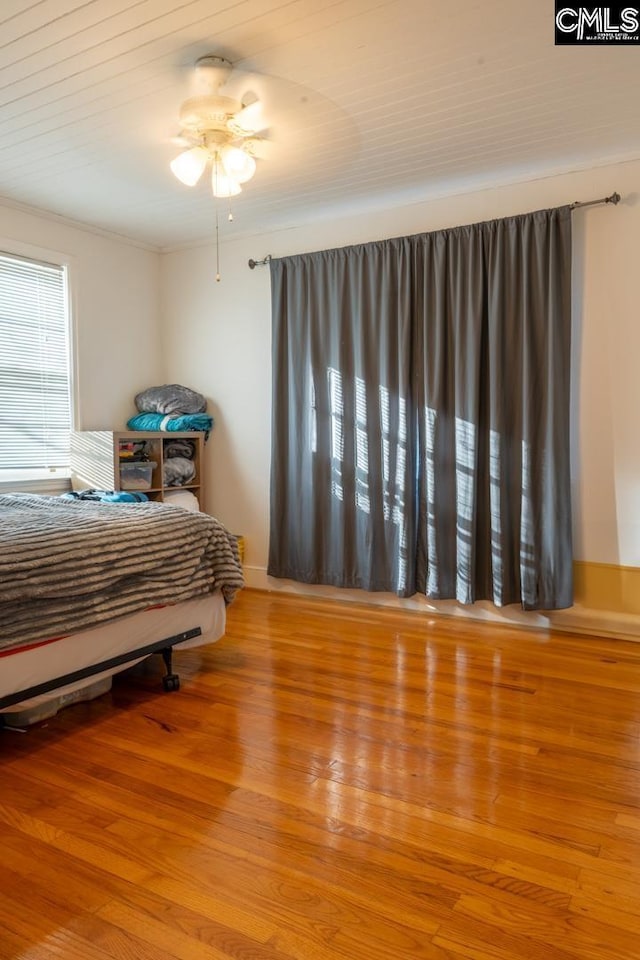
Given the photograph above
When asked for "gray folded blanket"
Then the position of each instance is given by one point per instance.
(180, 448)
(170, 399)
(178, 471)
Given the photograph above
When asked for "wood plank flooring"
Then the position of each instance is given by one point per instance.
(334, 782)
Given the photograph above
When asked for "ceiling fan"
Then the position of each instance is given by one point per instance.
(219, 131)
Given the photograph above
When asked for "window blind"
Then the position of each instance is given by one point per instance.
(35, 407)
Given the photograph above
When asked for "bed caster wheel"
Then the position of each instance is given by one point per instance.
(171, 682)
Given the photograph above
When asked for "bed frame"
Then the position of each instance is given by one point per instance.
(171, 680)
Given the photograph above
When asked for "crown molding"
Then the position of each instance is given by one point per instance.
(76, 224)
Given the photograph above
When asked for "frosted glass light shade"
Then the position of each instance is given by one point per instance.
(223, 185)
(237, 164)
(189, 166)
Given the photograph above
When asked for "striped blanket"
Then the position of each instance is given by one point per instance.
(69, 564)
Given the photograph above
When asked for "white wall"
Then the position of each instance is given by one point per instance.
(115, 291)
(217, 340)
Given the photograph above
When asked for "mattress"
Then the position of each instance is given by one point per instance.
(41, 661)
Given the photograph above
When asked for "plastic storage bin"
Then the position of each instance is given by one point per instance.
(136, 476)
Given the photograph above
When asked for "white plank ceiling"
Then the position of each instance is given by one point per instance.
(371, 102)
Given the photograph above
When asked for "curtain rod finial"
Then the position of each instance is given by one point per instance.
(259, 263)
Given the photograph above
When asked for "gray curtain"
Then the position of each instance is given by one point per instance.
(492, 355)
(421, 414)
(343, 466)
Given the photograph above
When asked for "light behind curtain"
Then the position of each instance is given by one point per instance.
(343, 466)
(421, 414)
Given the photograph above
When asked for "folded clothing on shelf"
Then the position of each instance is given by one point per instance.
(155, 421)
(170, 398)
(178, 471)
(133, 451)
(179, 448)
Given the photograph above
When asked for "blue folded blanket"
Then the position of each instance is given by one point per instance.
(156, 421)
(106, 496)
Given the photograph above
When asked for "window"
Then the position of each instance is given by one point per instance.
(35, 395)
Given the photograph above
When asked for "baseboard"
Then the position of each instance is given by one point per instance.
(597, 623)
(578, 619)
(607, 586)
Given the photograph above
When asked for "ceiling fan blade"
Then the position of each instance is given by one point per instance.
(181, 140)
(259, 148)
(248, 121)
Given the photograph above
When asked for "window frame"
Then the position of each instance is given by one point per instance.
(47, 480)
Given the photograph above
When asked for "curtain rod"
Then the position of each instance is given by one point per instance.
(614, 199)
(259, 263)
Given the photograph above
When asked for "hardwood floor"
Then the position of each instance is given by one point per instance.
(335, 781)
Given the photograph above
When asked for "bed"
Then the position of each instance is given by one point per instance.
(88, 589)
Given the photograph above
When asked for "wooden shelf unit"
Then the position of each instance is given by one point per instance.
(95, 460)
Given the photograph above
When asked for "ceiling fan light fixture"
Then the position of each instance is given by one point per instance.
(212, 72)
(238, 164)
(223, 186)
(209, 112)
(223, 132)
(189, 166)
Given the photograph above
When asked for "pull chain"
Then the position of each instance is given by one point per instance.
(215, 194)
(217, 247)
(229, 216)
